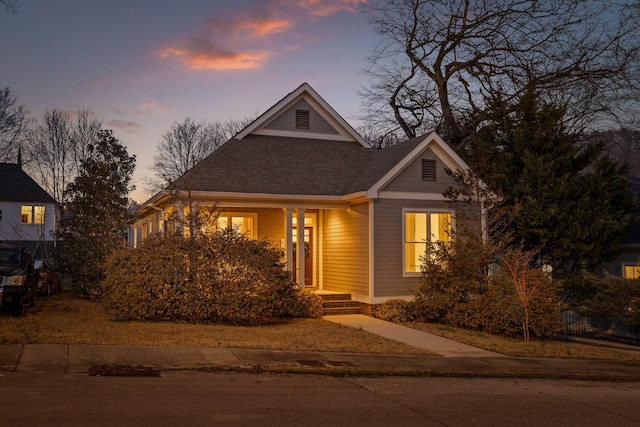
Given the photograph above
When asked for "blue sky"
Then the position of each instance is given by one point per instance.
(140, 65)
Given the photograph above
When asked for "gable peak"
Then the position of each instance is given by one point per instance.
(303, 113)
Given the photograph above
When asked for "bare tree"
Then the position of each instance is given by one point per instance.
(12, 125)
(185, 144)
(57, 147)
(440, 59)
(86, 131)
(9, 5)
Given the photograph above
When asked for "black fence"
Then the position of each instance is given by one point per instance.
(577, 325)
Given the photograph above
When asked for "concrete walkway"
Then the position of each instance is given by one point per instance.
(412, 337)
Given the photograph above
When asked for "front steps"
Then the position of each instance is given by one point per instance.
(339, 304)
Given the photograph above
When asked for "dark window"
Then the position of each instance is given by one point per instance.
(428, 170)
(302, 119)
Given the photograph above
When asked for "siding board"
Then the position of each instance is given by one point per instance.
(346, 250)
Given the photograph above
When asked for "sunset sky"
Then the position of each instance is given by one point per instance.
(140, 65)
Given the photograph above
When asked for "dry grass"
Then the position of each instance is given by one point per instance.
(66, 319)
(519, 348)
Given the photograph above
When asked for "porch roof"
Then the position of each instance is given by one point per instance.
(292, 166)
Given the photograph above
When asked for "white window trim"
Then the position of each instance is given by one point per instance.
(252, 215)
(404, 232)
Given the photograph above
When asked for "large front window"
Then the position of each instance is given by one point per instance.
(421, 228)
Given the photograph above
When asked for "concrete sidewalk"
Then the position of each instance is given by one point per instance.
(412, 337)
(455, 359)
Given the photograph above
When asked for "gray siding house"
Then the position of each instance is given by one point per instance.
(301, 170)
(28, 214)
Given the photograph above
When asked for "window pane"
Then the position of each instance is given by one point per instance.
(412, 254)
(632, 271)
(223, 222)
(38, 217)
(26, 215)
(415, 227)
(440, 227)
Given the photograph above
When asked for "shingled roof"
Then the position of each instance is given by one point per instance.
(17, 186)
(262, 164)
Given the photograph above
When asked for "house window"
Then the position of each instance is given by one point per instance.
(631, 272)
(428, 170)
(421, 228)
(244, 223)
(302, 119)
(32, 215)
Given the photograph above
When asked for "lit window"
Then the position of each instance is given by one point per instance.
(244, 223)
(632, 271)
(420, 228)
(32, 215)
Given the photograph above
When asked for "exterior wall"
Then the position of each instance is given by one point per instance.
(388, 250)
(287, 120)
(30, 235)
(346, 250)
(410, 179)
(628, 256)
(389, 277)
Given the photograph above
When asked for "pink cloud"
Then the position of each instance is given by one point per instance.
(264, 27)
(250, 33)
(325, 8)
(201, 54)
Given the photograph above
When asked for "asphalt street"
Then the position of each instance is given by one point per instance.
(193, 398)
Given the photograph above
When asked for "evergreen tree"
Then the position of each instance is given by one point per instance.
(95, 217)
(562, 195)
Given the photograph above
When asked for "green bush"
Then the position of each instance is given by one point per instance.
(223, 277)
(396, 310)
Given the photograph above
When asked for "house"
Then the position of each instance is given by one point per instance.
(301, 170)
(28, 214)
(627, 264)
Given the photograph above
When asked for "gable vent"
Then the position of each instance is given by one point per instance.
(428, 170)
(302, 119)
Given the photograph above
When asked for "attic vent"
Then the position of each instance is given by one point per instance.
(302, 119)
(428, 170)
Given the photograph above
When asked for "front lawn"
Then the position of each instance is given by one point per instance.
(67, 319)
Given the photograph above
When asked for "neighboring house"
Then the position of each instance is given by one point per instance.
(627, 264)
(28, 214)
(301, 170)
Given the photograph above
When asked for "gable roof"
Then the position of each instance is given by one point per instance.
(259, 164)
(274, 158)
(17, 186)
(341, 130)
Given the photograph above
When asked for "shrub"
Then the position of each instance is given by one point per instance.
(222, 277)
(456, 289)
(396, 310)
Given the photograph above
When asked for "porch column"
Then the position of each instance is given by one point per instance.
(300, 249)
(288, 237)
